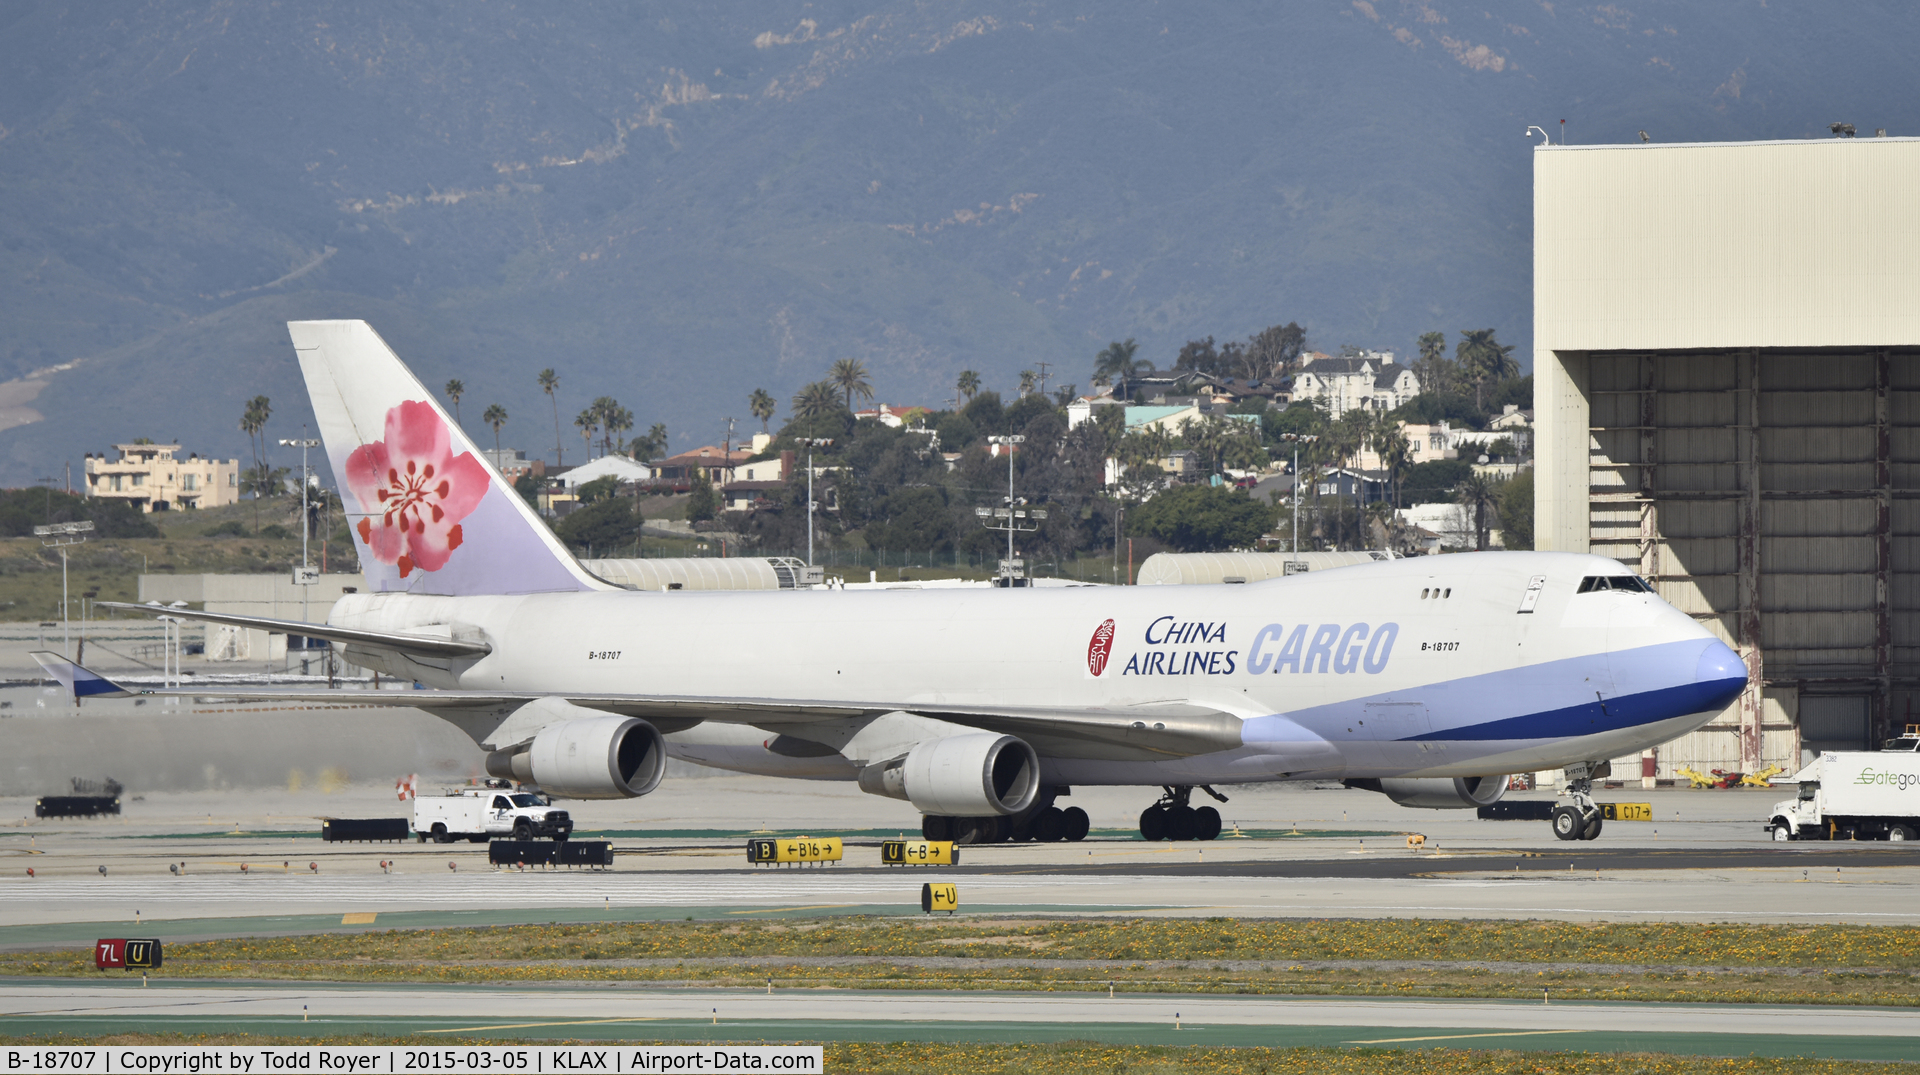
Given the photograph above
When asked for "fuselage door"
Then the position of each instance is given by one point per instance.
(1531, 598)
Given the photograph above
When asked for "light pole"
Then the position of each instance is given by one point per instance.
(1015, 519)
(306, 477)
(305, 576)
(812, 443)
(60, 536)
(1297, 438)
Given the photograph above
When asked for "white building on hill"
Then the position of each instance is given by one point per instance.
(1372, 380)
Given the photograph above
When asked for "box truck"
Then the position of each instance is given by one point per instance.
(1852, 795)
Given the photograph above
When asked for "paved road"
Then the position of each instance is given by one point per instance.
(1815, 893)
(122, 1005)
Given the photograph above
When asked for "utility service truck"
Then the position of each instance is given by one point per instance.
(1853, 795)
(481, 813)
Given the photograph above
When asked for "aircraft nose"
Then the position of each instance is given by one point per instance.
(1719, 675)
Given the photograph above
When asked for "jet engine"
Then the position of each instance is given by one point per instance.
(598, 756)
(975, 775)
(1437, 793)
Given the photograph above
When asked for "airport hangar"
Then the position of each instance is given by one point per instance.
(1727, 399)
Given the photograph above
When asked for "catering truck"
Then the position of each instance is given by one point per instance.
(481, 813)
(1853, 795)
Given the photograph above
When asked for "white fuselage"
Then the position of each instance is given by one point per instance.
(1343, 673)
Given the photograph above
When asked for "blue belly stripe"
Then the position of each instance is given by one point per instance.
(1596, 716)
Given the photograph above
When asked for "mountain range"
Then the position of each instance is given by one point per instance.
(675, 203)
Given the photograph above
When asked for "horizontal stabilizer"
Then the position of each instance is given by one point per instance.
(414, 645)
(80, 682)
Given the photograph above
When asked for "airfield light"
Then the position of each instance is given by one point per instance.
(60, 536)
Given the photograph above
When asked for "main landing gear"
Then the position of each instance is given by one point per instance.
(1580, 821)
(1172, 819)
(1043, 822)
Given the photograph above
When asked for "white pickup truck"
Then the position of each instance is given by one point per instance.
(1853, 795)
(482, 813)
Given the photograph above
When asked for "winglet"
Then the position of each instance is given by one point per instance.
(80, 682)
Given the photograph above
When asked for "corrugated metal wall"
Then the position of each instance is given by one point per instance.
(1768, 492)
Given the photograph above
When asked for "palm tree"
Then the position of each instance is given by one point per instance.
(1116, 363)
(455, 389)
(1477, 494)
(495, 416)
(1029, 381)
(1350, 433)
(817, 399)
(969, 384)
(762, 405)
(608, 415)
(851, 378)
(588, 423)
(1063, 395)
(618, 420)
(1484, 360)
(549, 383)
(653, 445)
(1396, 453)
(253, 421)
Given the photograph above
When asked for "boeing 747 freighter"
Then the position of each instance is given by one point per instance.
(1426, 679)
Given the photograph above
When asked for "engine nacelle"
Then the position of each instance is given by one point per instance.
(1437, 793)
(975, 775)
(592, 756)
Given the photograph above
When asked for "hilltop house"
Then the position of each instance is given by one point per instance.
(149, 477)
(1370, 380)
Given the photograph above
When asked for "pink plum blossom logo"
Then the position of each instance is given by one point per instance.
(414, 490)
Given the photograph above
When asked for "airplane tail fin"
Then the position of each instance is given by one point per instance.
(79, 682)
(428, 514)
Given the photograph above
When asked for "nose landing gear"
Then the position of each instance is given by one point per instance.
(1580, 821)
(1172, 819)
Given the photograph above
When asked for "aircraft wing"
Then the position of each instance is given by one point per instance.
(1164, 729)
(435, 647)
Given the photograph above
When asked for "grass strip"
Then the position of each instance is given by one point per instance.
(1121, 940)
(915, 1058)
(1824, 964)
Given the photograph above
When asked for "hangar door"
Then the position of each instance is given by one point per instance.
(1771, 494)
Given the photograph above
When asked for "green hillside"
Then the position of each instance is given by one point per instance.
(675, 204)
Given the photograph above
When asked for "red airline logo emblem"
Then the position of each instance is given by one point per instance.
(1099, 648)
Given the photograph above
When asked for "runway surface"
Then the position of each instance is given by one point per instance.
(533, 1012)
(1320, 853)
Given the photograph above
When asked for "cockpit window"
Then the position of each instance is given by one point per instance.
(1628, 583)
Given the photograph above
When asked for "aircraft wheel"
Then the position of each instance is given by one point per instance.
(1567, 823)
(1206, 823)
(1180, 823)
(936, 827)
(1074, 824)
(1592, 831)
(999, 829)
(1020, 829)
(970, 830)
(1153, 824)
(1050, 827)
